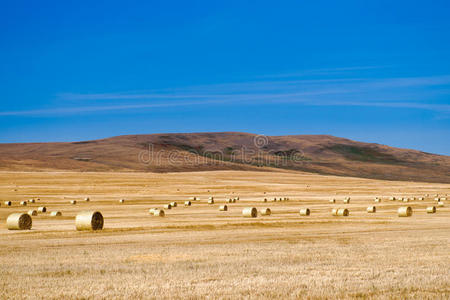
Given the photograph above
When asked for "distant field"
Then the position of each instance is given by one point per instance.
(200, 252)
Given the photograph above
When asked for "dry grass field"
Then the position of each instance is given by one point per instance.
(200, 252)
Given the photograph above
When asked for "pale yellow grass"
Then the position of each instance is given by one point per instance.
(201, 252)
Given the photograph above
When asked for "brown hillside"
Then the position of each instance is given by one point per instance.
(221, 151)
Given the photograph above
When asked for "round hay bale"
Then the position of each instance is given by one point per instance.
(211, 201)
(347, 200)
(264, 200)
(371, 209)
(304, 212)
(122, 201)
(173, 204)
(334, 211)
(223, 208)
(274, 199)
(55, 214)
(377, 200)
(436, 199)
(280, 199)
(237, 198)
(168, 206)
(233, 200)
(31, 201)
(42, 209)
(392, 198)
(87, 199)
(23, 203)
(440, 203)
(73, 202)
(32, 212)
(332, 200)
(420, 198)
(404, 211)
(89, 220)
(8, 203)
(159, 213)
(187, 203)
(405, 199)
(343, 212)
(19, 221)
(193, 198)
(266, 212)
(250, 212)
(211, 198)
(431, 209)
(152, 210)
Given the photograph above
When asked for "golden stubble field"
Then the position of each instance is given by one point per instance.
(200, 252)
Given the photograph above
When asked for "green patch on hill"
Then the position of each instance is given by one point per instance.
(365, 154)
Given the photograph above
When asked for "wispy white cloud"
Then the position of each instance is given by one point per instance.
(89, 109)
(284, 99)
(437, 107)
(323, 71)
(318, 86)
(403, 92)
(218, 90)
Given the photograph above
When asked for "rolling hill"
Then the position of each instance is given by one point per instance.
(322, 154)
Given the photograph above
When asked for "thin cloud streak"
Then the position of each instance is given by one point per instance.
(325, 71)
(218, 91)
(204, 96)
(435, 107)
(87, 109)
(403, 92)
(210, 91)
(248, 101)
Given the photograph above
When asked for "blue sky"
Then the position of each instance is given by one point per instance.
(374, 71)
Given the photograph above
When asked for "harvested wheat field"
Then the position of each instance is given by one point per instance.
(198, 251)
